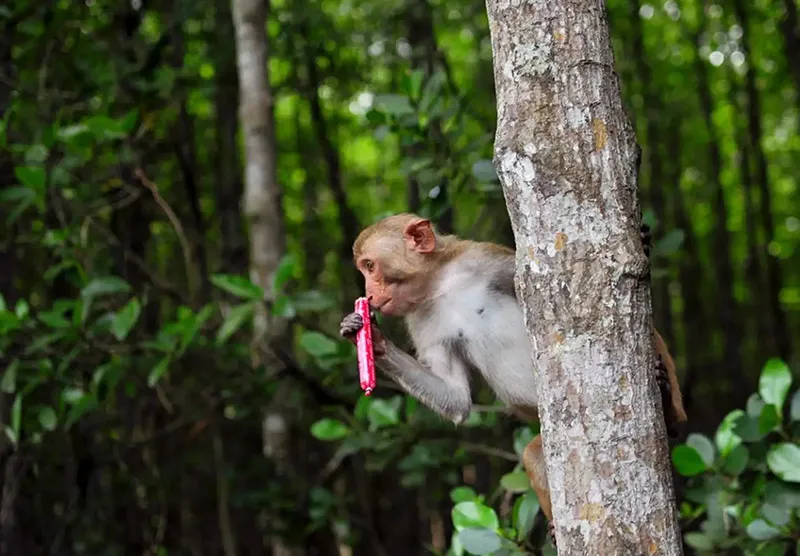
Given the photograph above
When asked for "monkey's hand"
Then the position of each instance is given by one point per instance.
(666, 395)
(352, 323)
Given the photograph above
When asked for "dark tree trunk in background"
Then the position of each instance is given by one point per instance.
(186, 152)
(654, 108)
(726, 304)
(780, 331)
(348, 222)
(233, 248)
(753, 267)
(425, 56)
(566, 155)
(791, 39)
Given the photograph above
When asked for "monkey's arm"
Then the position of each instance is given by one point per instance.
(439, 379)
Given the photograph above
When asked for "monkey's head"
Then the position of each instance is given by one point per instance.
(395, 256)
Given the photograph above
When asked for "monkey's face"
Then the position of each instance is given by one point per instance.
(395, 259)
(393, 276)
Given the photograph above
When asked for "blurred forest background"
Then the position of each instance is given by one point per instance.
(141, 413)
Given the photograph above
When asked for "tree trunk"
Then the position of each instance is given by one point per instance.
(263, 209)
(726, 304)
(566, 155)
(780, 331)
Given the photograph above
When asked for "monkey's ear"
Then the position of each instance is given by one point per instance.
(420, 236)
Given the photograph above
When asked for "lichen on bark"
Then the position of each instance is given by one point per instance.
(566, 153)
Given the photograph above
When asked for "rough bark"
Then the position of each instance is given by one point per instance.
(263, 209)
(566, 155)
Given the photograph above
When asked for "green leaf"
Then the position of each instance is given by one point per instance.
(318, 345)
(784, 460)
(105, 285)
(83, 405)
(126, 318)
(775, 515)
(31, 176)
(725, 437)
(516, 481)
(769, 420)
(234, 320)
(795, 410)
(474, 514)
(480, 541)
(702, 444)
(688, 462)
(736, 462)
(238, 286)
(778, 493)
(776, 548)
(158, 371)
(384, 413)
(395, 105)
(760, 530)
(525, 510)
(287, 269)
(774, 383)
(329, 430)
(463, 494)
(48, 418)
(8, 384)
(754, 405)
(699, 541)
(746, 428)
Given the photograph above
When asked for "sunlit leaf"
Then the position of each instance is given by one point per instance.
(384, 413)
(774, 383)
(395, 105)
(158, 371)
(516, 481)
(329, 430)
(480, 541)
(760, 530)
(525, 510)
(105, 285)
(234, 320)
(125, 319)
(474, 514)
(317, 344)
(725, 438)
(784, 460)
(463, 494)
(703, 446)
(238, 286)
(795, 408)
(48, 418)
(8, 384)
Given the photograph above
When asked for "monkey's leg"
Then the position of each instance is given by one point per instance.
(533, 462)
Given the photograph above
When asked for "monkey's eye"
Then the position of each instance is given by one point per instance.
(369, 265)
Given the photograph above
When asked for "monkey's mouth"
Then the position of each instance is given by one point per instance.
(380, 308)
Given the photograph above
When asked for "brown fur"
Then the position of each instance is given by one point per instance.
(405, 250)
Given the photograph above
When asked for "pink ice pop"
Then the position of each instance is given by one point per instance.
(366, 358)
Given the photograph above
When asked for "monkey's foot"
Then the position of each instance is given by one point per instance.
(666, 394)
(646, 236)
(551, 532)
(351, 324)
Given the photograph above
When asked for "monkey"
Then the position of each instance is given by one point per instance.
(459, 303)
